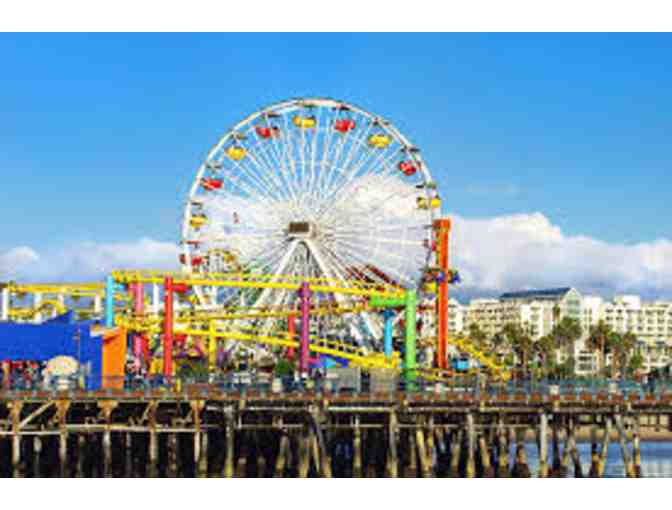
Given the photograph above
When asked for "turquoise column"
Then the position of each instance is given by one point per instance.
(388, 315)
(110, 287)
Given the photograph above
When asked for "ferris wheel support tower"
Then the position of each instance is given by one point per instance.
(442, 232)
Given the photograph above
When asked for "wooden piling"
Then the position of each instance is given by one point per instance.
(128, 459)
(576, 459)
(470, 471)
(488, 471)
(153, 446)
(243, 453)
(411, 470)
(107, 406)
(37, 455)
(503, 470)
(172, 450)
(282, 456)
(202, 465)
(303, 453)
(15, 416)
(636, 454)
(623, 440)
(422, 453)
(520, 468)
(392, 470)
(605, 448)
(543, 445)
(357, 450)
(315, 454)
(430, 446)
(229, 439)
(455, 453)
(563, 470)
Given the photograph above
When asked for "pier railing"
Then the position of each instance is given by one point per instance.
(261, 384)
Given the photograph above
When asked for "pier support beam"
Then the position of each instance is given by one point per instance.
(81, 452)
(636, 454)
(392, 469)
(471, 447)
(281, 458)
(15, 408)
(62, 407)
(107, 406)
(605, 448)
(37, 456)
(503, 451)
(623, 441)
(357, 450)
(153, 453)
(543, 445)
(230, 443)
(455, 453)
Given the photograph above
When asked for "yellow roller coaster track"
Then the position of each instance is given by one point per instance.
(488, 361)
(261, 281)
(356, 355)
(66, 289)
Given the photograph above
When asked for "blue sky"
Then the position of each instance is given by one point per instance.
(101, 134)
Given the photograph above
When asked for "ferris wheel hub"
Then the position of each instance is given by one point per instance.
(301, 230)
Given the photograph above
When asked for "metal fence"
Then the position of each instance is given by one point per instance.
(264, 383)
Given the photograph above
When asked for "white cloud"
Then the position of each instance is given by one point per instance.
(528, 251)
(88, 260)
(13, 262)
(493, 255)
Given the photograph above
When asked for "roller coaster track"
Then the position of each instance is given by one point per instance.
(261, 281)
(357, 356)
(31, 313)
(52, 295)
(487, 361)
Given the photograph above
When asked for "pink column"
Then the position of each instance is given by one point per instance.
(304, 295)
(138, 290)
(168, 327)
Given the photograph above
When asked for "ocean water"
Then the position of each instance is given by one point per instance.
(656, 459)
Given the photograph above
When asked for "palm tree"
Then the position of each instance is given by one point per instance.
(520, 341)
(598, 340)
(545, 347)
(622, 351)
(565, 334)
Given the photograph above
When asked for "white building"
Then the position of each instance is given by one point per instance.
(537, 311)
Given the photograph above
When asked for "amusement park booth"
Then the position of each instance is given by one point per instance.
(101, 353)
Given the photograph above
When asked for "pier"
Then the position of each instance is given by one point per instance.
(203, 432)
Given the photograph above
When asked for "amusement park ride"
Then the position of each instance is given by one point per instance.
(311, 232)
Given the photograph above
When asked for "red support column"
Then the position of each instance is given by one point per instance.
(291, 333)
(168, 327)
(442, 235)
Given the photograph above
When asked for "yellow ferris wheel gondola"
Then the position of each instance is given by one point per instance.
(379, 141)
(433, 203)
(236, 153)
(198, 220)
(304, 122)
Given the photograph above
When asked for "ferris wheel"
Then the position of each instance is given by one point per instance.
(310, 188)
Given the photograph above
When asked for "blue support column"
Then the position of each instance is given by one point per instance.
(387, 338)
(110, 287)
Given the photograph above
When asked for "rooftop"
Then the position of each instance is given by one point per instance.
(537, 294)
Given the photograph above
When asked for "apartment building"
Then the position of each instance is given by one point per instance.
(537, 311)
